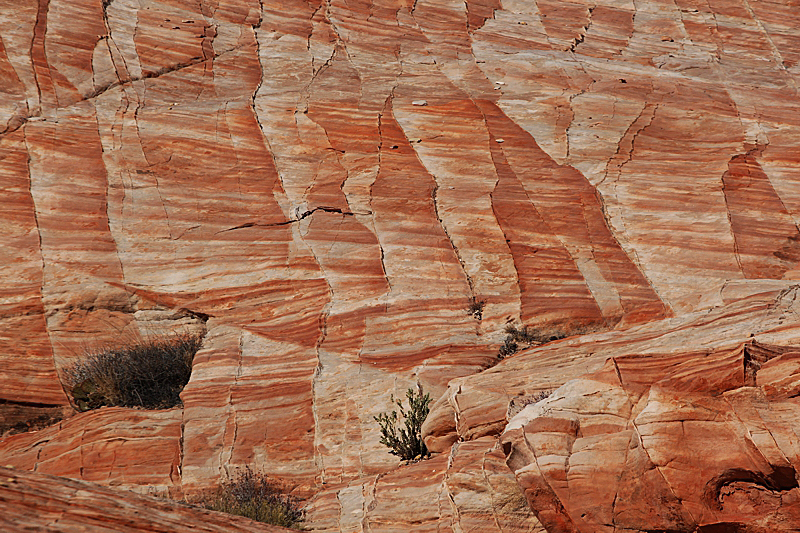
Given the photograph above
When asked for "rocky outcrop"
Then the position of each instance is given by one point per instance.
(468, 489)
(479, 405)
(124, 448)
(709, 438)
(37, 502)
(322, 189)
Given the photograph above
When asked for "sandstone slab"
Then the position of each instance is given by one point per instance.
(689, 442)
(257, 171)
(38, 502)
(479, 405)
(468, 489)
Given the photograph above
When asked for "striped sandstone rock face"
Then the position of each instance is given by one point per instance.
(264, 173)
(41, 502)
(709, 439)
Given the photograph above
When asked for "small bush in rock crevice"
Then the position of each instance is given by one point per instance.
(518, 404)
(475, 309)
(406, 442)
(149, 374)
(525, 336)
(20, 418)
(255, 496)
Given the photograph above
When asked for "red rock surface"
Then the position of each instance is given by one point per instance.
(131, 449)
(479, 405)
(468, 489)
(37, 502)
(705, 435)
(263, 172)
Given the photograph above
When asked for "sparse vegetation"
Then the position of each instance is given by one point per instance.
(525, 337)
(518, 404)
(149, 374)
(406, 442)
(476, 308)
(36, 423)
(19, 418)
(509, 347)
(255, 496)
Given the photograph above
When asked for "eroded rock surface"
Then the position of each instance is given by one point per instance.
(706, 437)
(479, 405)
(261, 171)
(37, 502)
(468, 489)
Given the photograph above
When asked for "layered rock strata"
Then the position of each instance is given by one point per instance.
(480, 405)
(710, 438)
(322, 189)
(37, 502)
(468, 489)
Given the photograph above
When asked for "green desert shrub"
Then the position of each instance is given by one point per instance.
(255, 496)
(406, 442)
(150, 374)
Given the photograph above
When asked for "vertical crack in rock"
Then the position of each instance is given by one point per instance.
(638, 435)
(182, 438)
(265, 138)
(449, 493)
(582, 35)
(180, 449)
(305, 92)
(340, 510)
(37, 51)
(370, 502)
(311, 25)
(567, 155)
(163, 206)
(736, 253)
(41, 255)
(632, 403)
(621, 158)
(109, 40)
(319, 457)
(766, 238)
(386, 105)
(225, 451)
(549, 493)
(506, 223)
(81, 449)
(776, 54)
(493, 145)
(256, 28)
(108, 204)
(235, 412)
(453, 400)
(470, 282)
(493, 505)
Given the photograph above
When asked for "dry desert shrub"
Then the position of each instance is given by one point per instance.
(149, 374)
(475, 309)
(15, 418)
(518, 404)
(255, 496)
(526, 336)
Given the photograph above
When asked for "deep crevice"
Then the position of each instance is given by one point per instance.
(302, 216)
